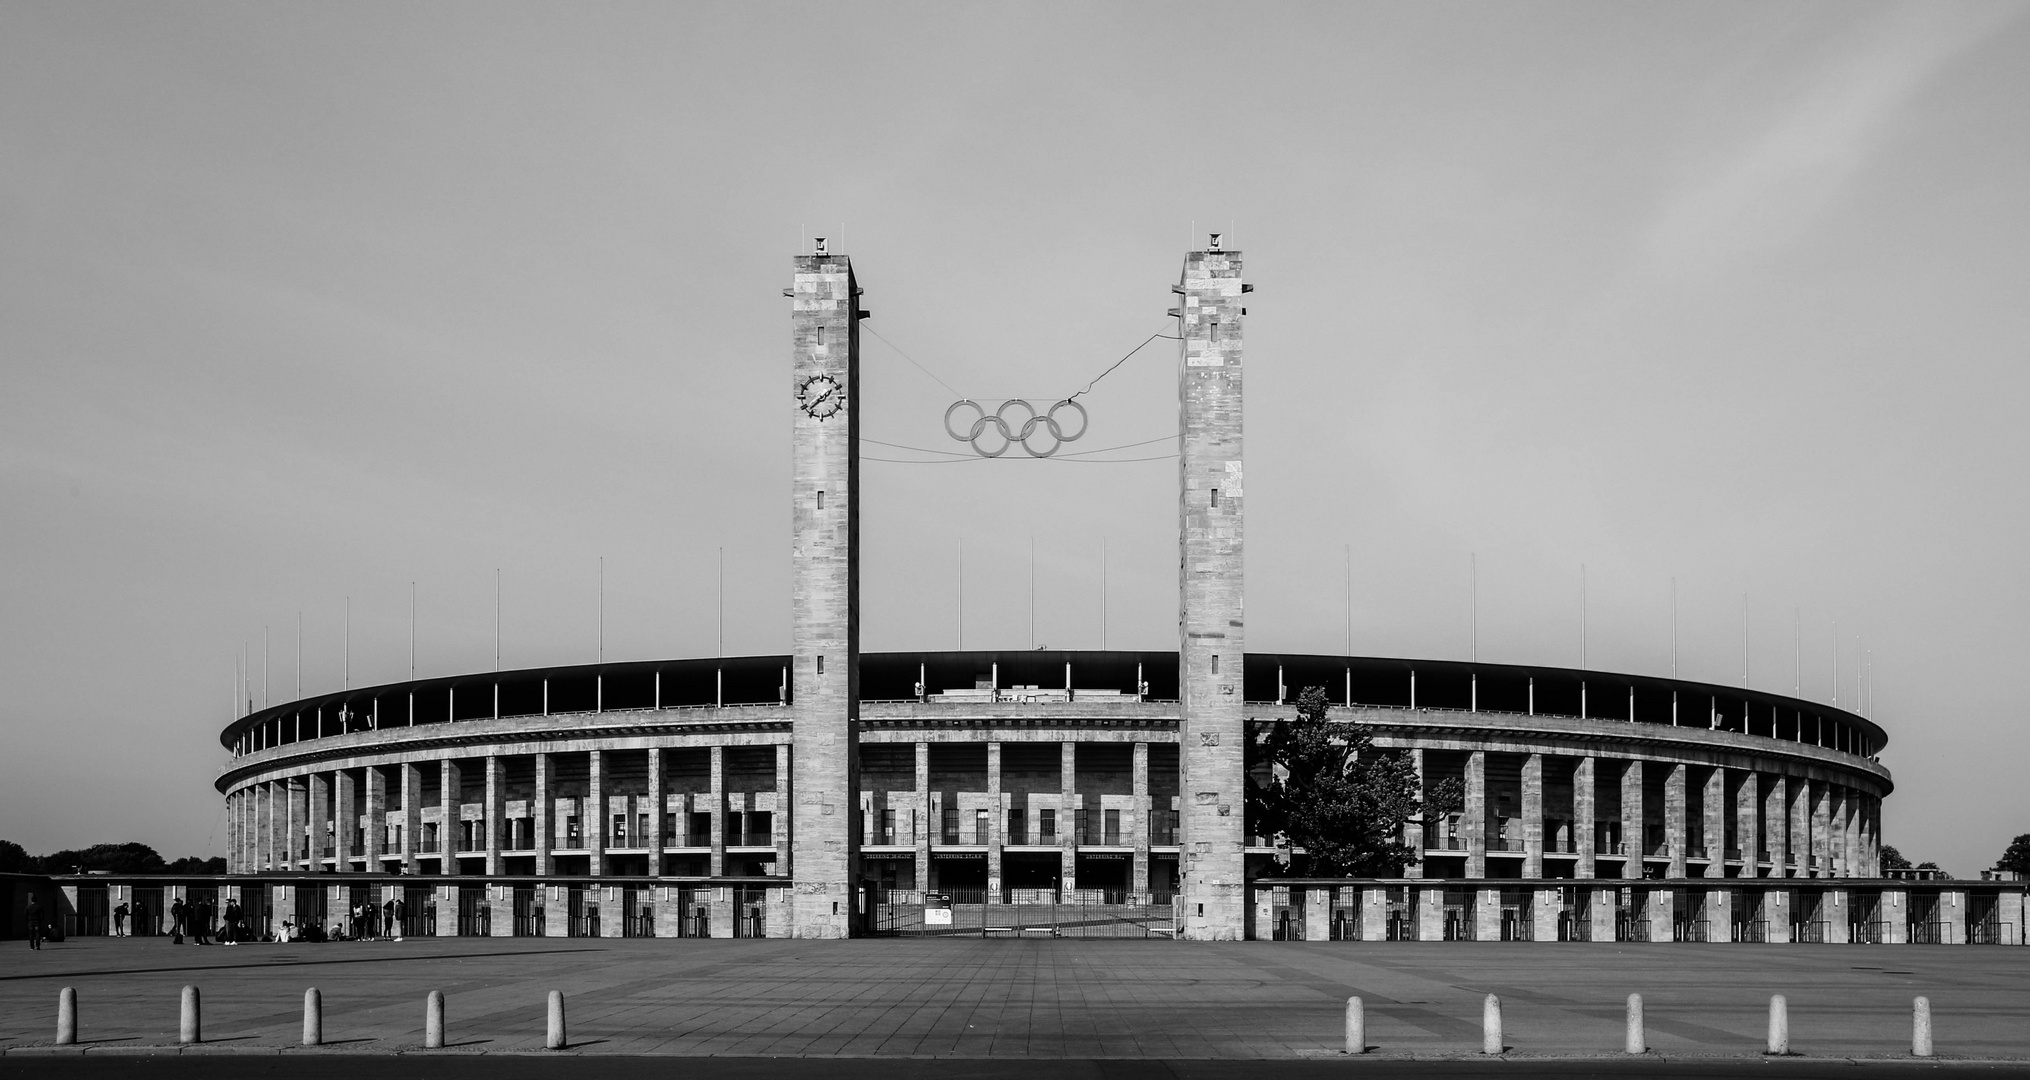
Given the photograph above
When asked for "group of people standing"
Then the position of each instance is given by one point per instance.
(203, 921)
(369, 923)
(199, 919)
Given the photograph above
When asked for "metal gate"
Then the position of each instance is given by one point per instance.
(475, 912)
(528, 912)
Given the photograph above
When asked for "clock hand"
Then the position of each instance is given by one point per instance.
(820, 400)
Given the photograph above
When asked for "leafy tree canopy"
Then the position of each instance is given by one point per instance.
(1332, 792)
(2017, 857)
(129, 858)
(1893, 859)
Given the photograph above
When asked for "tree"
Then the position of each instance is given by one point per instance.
(192, 864)
(14, 859)
(1893, 859)
(1332, 792)
(2017, 857)
(129, 858)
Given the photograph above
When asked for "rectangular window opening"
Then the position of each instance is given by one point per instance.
(821, 500)
(1215, 498)
(821, 663)
(1215, 664)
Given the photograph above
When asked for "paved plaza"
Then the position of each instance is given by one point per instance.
(1017, 1000)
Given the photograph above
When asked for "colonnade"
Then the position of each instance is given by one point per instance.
(1536, 815)
(524, 818)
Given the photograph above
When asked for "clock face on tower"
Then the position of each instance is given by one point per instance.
(820, 396)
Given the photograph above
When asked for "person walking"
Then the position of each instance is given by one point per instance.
(200, 927)
(399, 918)
(34, 914)
(120, 920)
(179, 915)
(233, 916)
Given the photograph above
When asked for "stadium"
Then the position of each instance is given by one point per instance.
(1061, 793)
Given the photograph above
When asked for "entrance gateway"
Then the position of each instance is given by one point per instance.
(826, 868)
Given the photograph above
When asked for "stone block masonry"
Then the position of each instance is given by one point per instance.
(825, 593)
(1210, 638)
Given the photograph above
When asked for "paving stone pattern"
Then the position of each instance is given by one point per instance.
(1022, 999)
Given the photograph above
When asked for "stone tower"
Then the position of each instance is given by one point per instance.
(1210, 639)
(825, 592)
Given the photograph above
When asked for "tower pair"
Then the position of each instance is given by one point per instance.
(825, 592)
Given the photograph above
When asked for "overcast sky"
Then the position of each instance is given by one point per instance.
(302, 303)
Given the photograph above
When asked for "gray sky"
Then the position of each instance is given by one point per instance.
(307, 302)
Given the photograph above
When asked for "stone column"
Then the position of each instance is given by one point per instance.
(920, 818)
(1714, 805)
(1834, 910)
(345, 808)
(376, 828)
(1776, 824)
(1211, 639)
(1821, 830)
(718, 867)
(994, 822)
(1852, 858)
(659, 805)
(1952, 911)
(1317, 913)
(784, 821)
(257, 845)
(545, 823)
(292, 825)
(1487, 915)
(1895, 916)
(1719, 914)
(1584, 830)
(1631, 819)
(450, 815)
(412, 815)
(1415, 830)
(1545, 903)
(278, 827)
(1533, 815)
(1430, 912)
(1475, 816)
(320, 818)
(1374, 914)
(1748, 822)
(592, 816)
(825, 587)
(1138, 870)
(1674, 811)
(1602, 915)
(496, 795)
(1067, 817)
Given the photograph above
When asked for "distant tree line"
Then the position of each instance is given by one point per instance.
(110, 858)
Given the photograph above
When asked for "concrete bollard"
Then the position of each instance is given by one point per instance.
(188, 1028)
(1490, 1025)
(67, 1016)
(555, 1040)
(1779, 1025)
(1638, 1039)
(433, 1021)
(1356, 1027)
(1920, 1027)
(313, 1017)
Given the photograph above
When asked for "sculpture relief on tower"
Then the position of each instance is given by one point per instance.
(1211, 642)
(825, 594)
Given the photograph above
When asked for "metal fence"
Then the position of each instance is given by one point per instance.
(1992, 932)
(1075, 919)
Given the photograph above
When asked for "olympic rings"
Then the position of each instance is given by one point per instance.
(1031, 423)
